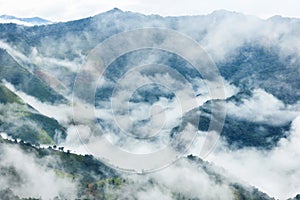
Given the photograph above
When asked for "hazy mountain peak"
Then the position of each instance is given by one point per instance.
(281, 19)
(115, 11)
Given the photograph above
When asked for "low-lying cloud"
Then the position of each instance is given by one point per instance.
(36, 180)
(263, 107)
(275, 172)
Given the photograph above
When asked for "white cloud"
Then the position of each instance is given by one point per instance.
(36, 180)
(183, 177)
(264, 107)
(276, 172)
(196, 182)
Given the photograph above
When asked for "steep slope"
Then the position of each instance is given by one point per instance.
(6, 96)
(23, 80)
(20, 121)
(256, 66)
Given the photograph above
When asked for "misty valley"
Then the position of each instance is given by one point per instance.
(124, 105)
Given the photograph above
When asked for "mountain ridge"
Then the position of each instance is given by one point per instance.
(30, 21)
(255, 60)
(219, 12)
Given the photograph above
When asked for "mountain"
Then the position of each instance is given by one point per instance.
(90, 31)
(97, 181)
(33, 21)
(45, 120)
(20, 121)
(24, 80)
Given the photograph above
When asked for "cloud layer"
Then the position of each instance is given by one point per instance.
(35, 180)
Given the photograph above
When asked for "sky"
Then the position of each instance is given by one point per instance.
(65, 10)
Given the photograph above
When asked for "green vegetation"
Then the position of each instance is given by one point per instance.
(20, 121)
(98, 181)
(30, 127)
(92, 175)
(44, 138)
(50, 125)
(6, 96)
(114, 181)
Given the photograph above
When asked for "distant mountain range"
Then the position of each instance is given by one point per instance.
(32, 21)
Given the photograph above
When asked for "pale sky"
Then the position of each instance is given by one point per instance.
(64, 10)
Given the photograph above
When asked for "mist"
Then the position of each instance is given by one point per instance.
(128, 119)
(275, 171)
(182, 179)
(34, 179)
